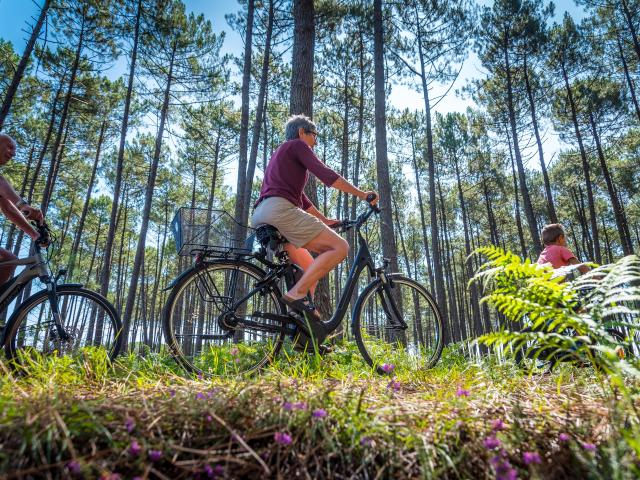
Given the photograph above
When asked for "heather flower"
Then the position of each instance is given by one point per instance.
(589, 447)
(366, 441)
(155, 455)
(319, 413)
(199, 396)
(213, 472)
(498, 425)
(134, 449)
(129, 424)
(287, 406)
(564, 437)
(504, 470)
(282, 438)
(531, 457)
(491, 443)
(394, 385)
(461, 392)
(74, 467)
(387, 367)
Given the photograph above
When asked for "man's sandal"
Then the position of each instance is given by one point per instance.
(302, 305)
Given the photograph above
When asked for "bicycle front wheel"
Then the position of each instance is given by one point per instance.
(86, 319)
(212, 319)
(399, 326)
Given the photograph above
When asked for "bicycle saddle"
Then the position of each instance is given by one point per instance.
(268, 235)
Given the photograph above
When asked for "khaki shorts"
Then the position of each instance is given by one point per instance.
(296, 225)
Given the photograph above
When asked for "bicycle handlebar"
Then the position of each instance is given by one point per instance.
(344, 225)
(44, 240)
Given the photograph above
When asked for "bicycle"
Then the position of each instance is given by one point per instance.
(61, 319)
(224, 315)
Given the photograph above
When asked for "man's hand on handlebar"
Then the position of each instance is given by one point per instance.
(371, 197)
(33, 214)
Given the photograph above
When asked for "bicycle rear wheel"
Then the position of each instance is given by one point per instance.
(87, 320)
(211, 331)
(405, 333)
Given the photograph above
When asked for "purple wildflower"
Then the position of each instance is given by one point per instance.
(531, 457)
(287, 406)
(172, 393)
(461, 392)
(491, 443)
(200, 376)
(564, 437)
(394, 385)
(74, 467)
(319, 413)
(213, 472)
(208, 419)
(387, 367)
(589, 447)
(366, 441)
(234, 351)
(300, 405)
(129, 424)
(504, 470)
(155, 455)
(282, 438)
(199, 396)
(134, 449)
(498, 425)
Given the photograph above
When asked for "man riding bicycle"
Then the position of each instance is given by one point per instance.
(283, 204)
(14, 207)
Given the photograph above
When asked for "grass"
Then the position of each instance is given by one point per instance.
(308, 417)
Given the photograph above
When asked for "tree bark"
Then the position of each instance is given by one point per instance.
(241, 186)
(105, 274)
(528, 207)
(139, 257)
(585, 168)
(627, 77)
(19, 73)
(534, 120)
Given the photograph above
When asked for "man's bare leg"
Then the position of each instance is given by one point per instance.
(333, 249)
(6, 272)
(302, 258)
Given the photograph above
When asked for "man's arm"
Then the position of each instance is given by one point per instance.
(344, 186)
(7, 191)
(8, 199)
(316, 213)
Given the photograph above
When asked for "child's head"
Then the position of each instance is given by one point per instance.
(553, 234)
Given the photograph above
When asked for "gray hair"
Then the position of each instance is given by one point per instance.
(294, 123)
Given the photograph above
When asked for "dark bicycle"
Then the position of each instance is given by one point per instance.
(224, 315)
(59, 320)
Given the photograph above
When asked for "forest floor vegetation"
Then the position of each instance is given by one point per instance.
(307, 417)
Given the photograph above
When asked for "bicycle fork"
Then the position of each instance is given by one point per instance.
(52, 294)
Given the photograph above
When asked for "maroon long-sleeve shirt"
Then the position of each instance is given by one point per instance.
(288, 171)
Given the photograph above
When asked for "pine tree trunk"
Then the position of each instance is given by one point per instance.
(433, 202)
(618, 213)
(627, 77)
(105, 274)
(631, 26)
(528, 207)
(260, 113)
(241, 186)
(139, 257)
(534, 121)
(585, 168)
(48, 190)
(516, 196)
(87, 201)
(19, 73)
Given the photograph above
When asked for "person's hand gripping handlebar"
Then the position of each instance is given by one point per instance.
(372, 199)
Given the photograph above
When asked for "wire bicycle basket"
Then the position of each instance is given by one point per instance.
(203, 230)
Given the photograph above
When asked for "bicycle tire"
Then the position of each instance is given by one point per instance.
(421, 345)
(207, 346)
(80, 313)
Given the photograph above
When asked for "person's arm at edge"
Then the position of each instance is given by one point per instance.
(27, 211)
(13, 214)
(582, 268)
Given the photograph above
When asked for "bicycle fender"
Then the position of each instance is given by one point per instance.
(175, 281)
(75, 285)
